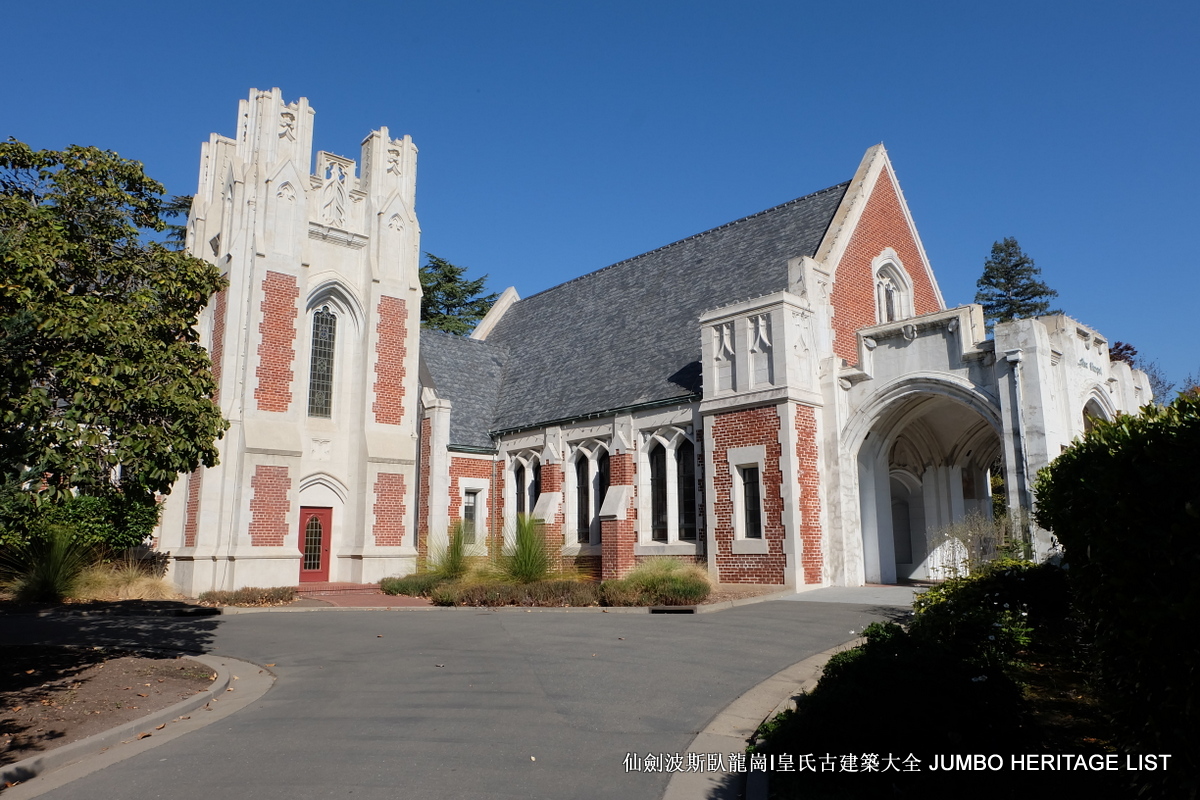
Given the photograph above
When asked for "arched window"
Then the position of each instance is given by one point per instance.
(893, 292)
(519, 485)
(320, 372)
(685, 467)
(527, 482)
(583, 500)
(658, 493)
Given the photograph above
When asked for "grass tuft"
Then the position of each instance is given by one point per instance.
(249, 596)
(658, 582)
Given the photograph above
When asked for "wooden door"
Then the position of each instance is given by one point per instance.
(316, 525)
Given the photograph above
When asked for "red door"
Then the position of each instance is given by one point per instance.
(315, 527)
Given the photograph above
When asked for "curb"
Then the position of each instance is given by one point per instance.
(731, 729)
(34, 766)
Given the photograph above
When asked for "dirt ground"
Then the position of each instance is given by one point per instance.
(51, 696)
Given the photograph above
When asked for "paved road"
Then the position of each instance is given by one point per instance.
(453, 704)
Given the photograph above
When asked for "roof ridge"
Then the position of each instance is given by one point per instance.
(738, 221)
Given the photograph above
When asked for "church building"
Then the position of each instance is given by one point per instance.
(785, 398)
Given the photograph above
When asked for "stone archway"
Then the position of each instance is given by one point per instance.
(923, 464)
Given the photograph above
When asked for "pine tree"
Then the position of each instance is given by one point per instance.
(1009, 287)
(450, 302)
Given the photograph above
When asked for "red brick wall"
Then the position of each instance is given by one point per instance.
(618, 536)
(811, 552)
(191, 524)
(217, 351)
(484, 470)
(423, 494)
(747, 428)
(389, 510)
(277, 350)
(882, 225)
(269, 505)
(390, 353)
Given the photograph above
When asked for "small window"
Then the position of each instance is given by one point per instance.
(583, 501)
(685, 456)
(320, 374)
(751, 504)
(519, 486)
(658, 493)
(470, 515)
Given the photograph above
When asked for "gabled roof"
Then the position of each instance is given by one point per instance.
(467, 372)
(628, 334)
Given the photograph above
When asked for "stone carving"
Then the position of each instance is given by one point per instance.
(396, 223)
(287, 126)
(333, 207)
(286, 191)
(393, 161)
(320, 449)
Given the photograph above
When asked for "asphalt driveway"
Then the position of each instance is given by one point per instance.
(462, 703)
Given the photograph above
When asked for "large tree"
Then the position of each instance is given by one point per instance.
(104, 388)
(1009, 287)
(451, 302)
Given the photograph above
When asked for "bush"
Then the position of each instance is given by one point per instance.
(450, 561)
(249, 596)
(418, 585)
(526, 559)
(548, 593)
(1125, 504)
(114, 523)
(658, 582)
(47, 568)
(123, 579)
(987, 618)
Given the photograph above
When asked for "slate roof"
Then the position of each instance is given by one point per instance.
(467, 372)
(628, 334)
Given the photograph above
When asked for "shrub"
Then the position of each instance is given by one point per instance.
(989, 617)
(450, 561)
(965, 546)
(526, 558)
(47, 567)
(658, 581)
(1125, 504)
(249, 596)
(114, 523)
(548, 593)
(418, 585)
(123, 579)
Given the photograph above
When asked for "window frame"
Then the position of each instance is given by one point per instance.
(740, 461)
(669, 439)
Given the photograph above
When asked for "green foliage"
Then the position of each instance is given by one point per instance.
(106, 389)
(1125, 504)
(250, 596)
(1009, 287)
(111, 524)
(46, 568)
(450, 302)
(658, 582)
(526, 558)
(179, 206)
(545, 593)
(997, 612)
(420, 584)
(451, 561)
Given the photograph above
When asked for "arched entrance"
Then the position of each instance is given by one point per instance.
(923, 464)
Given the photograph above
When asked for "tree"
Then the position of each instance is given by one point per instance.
(1009, 287)
(1159, 385)
(451, 303)
(104, 388)
(178, 206)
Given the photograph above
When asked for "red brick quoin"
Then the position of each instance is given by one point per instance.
(220, 303)
(389, 509)
(617, 536)
(191, 523)
(390, 354)
(480, 469)
(882, 225)
(811, 553)
(269, 506)
(754, 426)
(276, 351)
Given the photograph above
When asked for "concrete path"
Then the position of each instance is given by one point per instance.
(455, 703)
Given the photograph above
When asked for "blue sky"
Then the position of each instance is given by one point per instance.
(559, 137)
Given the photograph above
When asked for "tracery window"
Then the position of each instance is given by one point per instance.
(893, 293)
(670, 462)
(320, 372)
(590, 489)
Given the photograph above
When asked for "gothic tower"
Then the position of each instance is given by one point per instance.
(314, 347)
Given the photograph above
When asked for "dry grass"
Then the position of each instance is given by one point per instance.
(121, 580)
